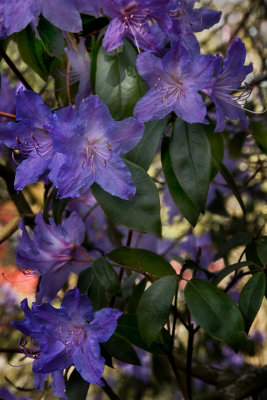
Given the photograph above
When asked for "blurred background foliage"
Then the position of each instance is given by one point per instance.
(245, 156)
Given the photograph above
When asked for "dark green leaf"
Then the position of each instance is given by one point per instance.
(58, 207)
(142, 261)
(76, 387)
(33, 54)
(180, 198)
(119, 347)
(229, 269)
(142, 154)
(128, 328)
(106, 276)
(191, 160)
(216, 145)
(230, 182)
(97, 295)
(85, 280)
(259, 133)
(251, 298)
(117, 82)
(136, 296)
(140, 214)
(154, 307)
(262, 249)
(239, 239)
(51, 37)
(215, 312)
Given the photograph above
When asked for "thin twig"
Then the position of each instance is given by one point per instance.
(177, 376)
(5, 114)
(14, 69)
(189, 358)
(109, 391)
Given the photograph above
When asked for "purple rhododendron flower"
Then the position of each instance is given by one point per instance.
(7, 98)
(81, 65)
(175, 80)
(133, 19)
(228, 76)
(15, 15)
(187, 19)
(66, 336)
(5, 394)
(92, 142)
(53, 253)
(30, 137)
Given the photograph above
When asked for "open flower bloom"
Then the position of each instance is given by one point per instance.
(53, 253)
(92, 142)
(66, 336)
(133, 19)
(187, 19)
(228, 76)
(30, 137)
(175, 80)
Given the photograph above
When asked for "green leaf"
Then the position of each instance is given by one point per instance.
(119, 347)
(262, 249)
(215, 312)
(95, 291)
(85, 280)
(140, 214)
(142, 261)
(251, 298)
(117, 81)
(230, 182)
(136, 296)
(106, 276)
(76, 387)
(240, 239)
(191, 161)
(58, 207)
(216, 145)
(180, 198)
(229, 269)
(128, 328)
(154, 307)
(142, 154)
(259, 133)
(33, 53)
(51, 37)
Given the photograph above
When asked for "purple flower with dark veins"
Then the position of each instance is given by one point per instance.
(66, 336)
(133, 19)
(186, 19)
(53, 252)
(30, 137)
(91, 142)
(176, 80)
(228, 76)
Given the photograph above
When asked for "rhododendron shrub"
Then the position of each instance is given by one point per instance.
(124, 167)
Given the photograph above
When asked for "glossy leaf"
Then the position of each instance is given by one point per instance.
(128, 328)
(85, 280)
(154, 307)
(51, 37)
(216, 145)
(33, 54)
(180, 198)
(142, 154)
(229, 269)
(119, 347)
(106, 276)
(140, 214)
(191, 161)
(136, 296)
(251, 298)
(76, 387)
(117, 82)
(215, 312)
(142, 261)
(240, 239)
(262, 249)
